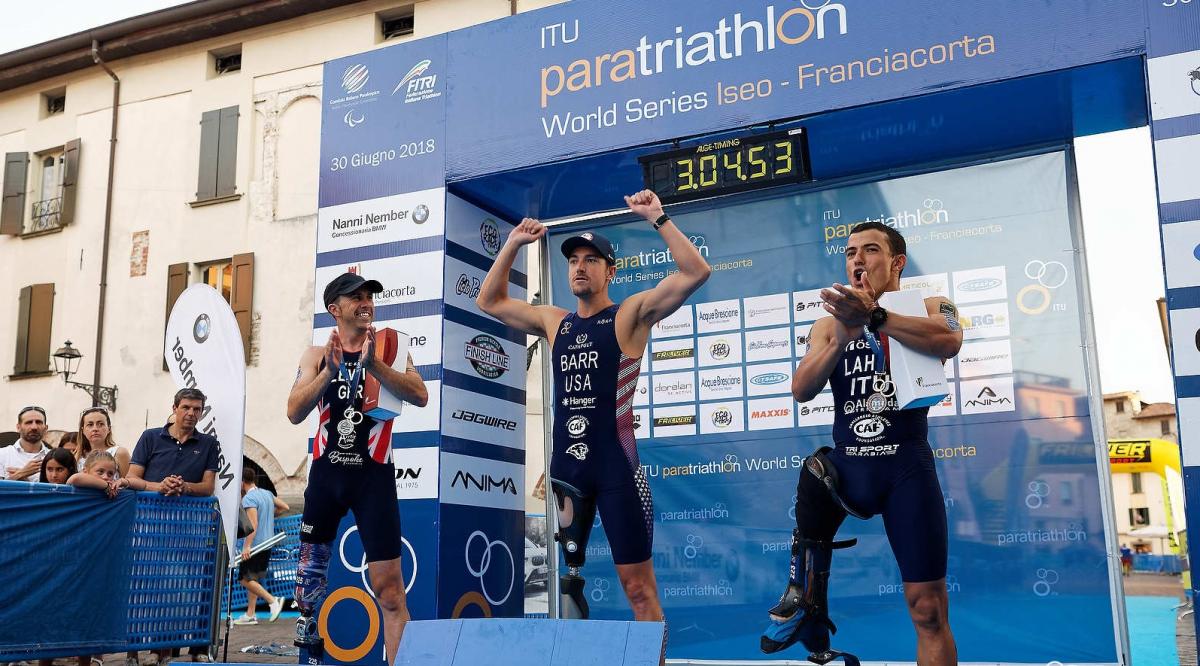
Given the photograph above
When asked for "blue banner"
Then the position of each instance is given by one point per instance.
(591, 76)
(721, 438)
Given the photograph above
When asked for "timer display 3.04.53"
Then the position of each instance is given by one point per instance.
(727, 166)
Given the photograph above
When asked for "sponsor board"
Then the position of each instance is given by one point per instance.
(989, 357)
(674, 421)
(768, 344)
(985, 396)
(801, 340)
(482, 418)
(674, 387)
(641, 395)
(483, 355)
(772, 413)
(718, 316)
(984, 321)
(948, 406)
(769, 310)
(807, 306)
(722, 417)
(721, 383)
(479, 231)
(816, 412)
(679, 323)
(935, 284)
(422, 419)
(389, 219)
(676, 354)
(641, 423)
(407, 279)
(980, 284)
(769, 378)
(1174, 86)
(424, 337)
(416, 472)
(462, 285)
(472, 481)
(1180, 256)
(1185, 343)
(721, 349)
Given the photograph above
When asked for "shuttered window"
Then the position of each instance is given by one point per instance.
(234, 280)
(12, 210)
(177, 279)
(35, 314)
(218, 154)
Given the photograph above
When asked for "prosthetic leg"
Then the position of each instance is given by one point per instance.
(311, 587)
(575, 516)
(802, 614)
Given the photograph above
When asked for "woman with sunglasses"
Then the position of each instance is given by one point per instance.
(95, 434)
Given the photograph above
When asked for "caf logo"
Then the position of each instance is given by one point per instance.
(202, 328)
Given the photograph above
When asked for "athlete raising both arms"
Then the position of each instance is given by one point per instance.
(881, 462)
(596, 353)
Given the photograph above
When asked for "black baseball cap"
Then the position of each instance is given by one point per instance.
(348, 283)
(590, 239)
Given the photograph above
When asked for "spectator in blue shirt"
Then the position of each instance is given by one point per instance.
(176, 459)
(261, 507)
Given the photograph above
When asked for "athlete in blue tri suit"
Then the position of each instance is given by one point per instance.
(596, 353)
(352, 459)
(881, 462)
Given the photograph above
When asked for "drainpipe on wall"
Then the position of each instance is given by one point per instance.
(512, 7)
(108, 195)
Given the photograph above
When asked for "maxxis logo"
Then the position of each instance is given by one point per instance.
(487, 356)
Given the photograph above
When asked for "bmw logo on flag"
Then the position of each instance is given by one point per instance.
(201, 328)
(420, 214)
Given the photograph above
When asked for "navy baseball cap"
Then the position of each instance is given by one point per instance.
(590, 239)
(348, 283)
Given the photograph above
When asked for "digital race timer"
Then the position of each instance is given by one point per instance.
(729, 165)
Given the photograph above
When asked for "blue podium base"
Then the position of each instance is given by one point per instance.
(525, 642)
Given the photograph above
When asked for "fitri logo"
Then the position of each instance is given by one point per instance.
(201, 328)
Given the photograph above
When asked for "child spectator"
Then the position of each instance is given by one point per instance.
(100, 472)
(57, 466)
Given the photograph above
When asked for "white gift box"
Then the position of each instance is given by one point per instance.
(918, 378)
(391, 348)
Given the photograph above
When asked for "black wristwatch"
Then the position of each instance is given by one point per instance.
(878, 318)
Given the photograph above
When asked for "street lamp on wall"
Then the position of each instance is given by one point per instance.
(66, 363)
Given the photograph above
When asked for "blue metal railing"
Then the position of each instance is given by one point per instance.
(162, 558)
(1164, 564)
(280, 580)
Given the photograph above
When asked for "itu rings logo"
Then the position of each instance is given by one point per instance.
(1046, 580)
(480, 569)
(1038, 492)
(489, 237)
(355, 78)
(202, 328)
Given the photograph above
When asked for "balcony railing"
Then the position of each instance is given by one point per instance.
(46, 215)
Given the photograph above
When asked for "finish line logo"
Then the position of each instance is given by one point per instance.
(417, 86)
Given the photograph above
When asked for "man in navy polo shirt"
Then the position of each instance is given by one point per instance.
(176, 459)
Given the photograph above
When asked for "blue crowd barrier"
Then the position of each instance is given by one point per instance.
(105, 575)
(280, 580)
(1163, 564)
